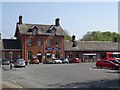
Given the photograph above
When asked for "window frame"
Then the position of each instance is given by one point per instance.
(29, 42)
(39, 42)
(29, 55)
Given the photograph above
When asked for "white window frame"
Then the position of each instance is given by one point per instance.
(29, 42)
(39, 42)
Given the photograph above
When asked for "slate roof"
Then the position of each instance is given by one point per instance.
(42, 29)
(81, 46)
(92, 46)
(11, 44)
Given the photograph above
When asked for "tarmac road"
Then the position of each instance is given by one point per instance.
(80, 75)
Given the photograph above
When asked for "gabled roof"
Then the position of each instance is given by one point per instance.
(10, 44)
(23, 28)
(92, 46)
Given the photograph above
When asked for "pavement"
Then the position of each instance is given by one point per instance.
(5, 84)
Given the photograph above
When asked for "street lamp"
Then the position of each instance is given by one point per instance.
(11, 53)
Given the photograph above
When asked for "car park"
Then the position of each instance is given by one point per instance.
(19, 63)
(64, 60)
(107, 64)
(75, 60)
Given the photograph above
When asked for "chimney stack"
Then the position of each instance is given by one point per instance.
(115, 39)
(20, 19)
(57, 23)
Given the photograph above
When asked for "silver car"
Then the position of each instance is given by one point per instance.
(19, 63)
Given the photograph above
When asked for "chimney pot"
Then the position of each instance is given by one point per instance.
(57, 23)
(20, 19)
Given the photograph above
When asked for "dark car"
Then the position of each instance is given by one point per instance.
(75, 60)
(5, 62)
(106, 64)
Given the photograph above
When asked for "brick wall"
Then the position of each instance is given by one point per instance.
(43, 48)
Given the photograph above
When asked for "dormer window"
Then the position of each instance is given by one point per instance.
(53, 32)
(33, 30)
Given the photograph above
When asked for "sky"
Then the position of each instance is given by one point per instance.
(77, 18)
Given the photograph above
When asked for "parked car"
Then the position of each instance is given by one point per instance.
(75, 60)
(106, 64)
(5, 62)
(64, 60)
(56, 61)
(19, 63)
(48, 61)
(34, 61)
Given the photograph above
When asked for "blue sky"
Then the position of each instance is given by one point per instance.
(76, 17)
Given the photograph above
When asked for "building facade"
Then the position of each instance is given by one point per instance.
(40, 41)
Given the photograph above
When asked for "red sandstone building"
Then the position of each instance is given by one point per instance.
(47, 41)
(40, 41)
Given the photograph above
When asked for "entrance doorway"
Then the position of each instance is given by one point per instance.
(39, 56)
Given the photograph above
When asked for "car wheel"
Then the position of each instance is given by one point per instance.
(98, 66)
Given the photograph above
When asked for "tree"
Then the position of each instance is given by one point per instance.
(101, 36)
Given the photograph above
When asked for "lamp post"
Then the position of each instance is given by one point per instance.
(11, 53)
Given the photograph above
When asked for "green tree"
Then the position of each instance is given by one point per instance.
(101, 36)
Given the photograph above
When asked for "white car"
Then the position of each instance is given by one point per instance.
(57, 61)
(19, 63)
